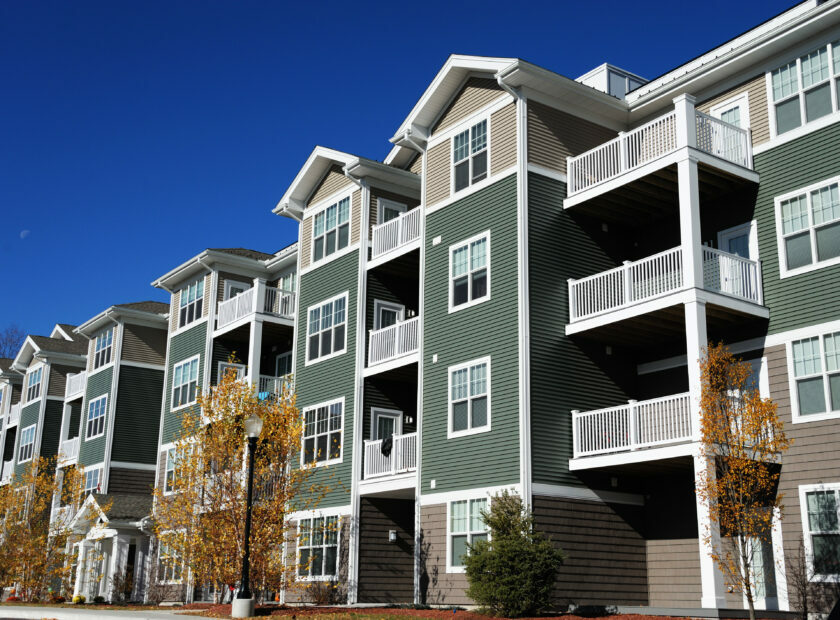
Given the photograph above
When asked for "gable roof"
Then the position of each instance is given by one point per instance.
(255, 254)
(154, 307)
(151, 313)
(59, 345)
(124, 506)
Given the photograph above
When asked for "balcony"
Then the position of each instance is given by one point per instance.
(275, 302)
(654, 282)
(14, 415)
(8, 469)
(395, 344)
(75, 386)
(274, 385)
(632, 428)
(62, 516)
(402, 458)
(69, 452)
(395, 237)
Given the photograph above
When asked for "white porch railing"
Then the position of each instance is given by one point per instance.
(274, 385)
(394, 341)
(69, 450)
(8, 468)
(653, 140)
(732, 275)
(396, 233)
(75, 386)
(14, 415)
(62, 515)
(401, 459)
(235, 308)
(638, 424)
(280, 302)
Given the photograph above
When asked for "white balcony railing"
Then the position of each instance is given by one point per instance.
(636, 425)
(401, 459)
(653, 140)
(235, 308)
(661, 274)
(280, 302)
(14, 414)
(396, 233)
(75, 385)
(275, 301)
(8, 468)
(274, 385)
(62, 516)
(69, 451)
(393, 341)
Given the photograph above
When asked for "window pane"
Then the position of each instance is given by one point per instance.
(462, 175)
(322, 452)
(343, 236)
(479, 167)
(459, 550)
(478, 380)
(339, 306)
(460, 416)
(459, 384)
(618, 84)
(309, 450)
(331, 217)
(460, 146)
(826, 204)
(788, 115)
(338, 340)
(836, 50)
(784, 81)
(477, 537)
(478, 254)
(330, 243)
(798, 250)
(818, 102)
(828, 241)
(317, 562)
(459, 261)
(479, 136)
(343, 211)
(319, 224)
(318, 252)
(834, 390)
(331, 561)
(732, 116)
(794, 214)
(832, 352)
(335, 445)
(313, 346)
(814, 67)
(806, 357)
(827, 554)
(460, 292)
(479, 411)
(303, 567)
(822, 511)
(479, 287)
(476, 520)
(458, 521)
(811, 396)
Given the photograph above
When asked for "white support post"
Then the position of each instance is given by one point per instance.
(254, 346)
(695, 344)
(690, 235)
(634, 429)
(628, 285)
(80, 568)
(686, 122)
(119, 549)
(712, 591)
(779, 561)
(622, 148)
(259, 295)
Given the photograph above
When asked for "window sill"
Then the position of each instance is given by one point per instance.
(796, 418)
(179, 407)
(316, 578)
(793, 134)
(188, 327)
(102, 434)
(328, 259)
(326, 357)
(468, 432)
(789, 273)
(96, 371)
(337, 461)
(469, 304)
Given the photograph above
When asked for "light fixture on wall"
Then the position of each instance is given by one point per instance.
(392, 536)
(409, 419)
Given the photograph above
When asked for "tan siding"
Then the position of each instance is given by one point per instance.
(477, 93)
(756, 90)
(554, 135)
(91, 350)
(355, 217)
(58, 379)
(376, 194)
(442, 588)
(674, 572)
(503, 139)
(305, 242)
(144, 344)
(305, 594)
(208, 295)
(173, 311)
(332, 182)
(417, 165)
(437, 173)
(224, 276)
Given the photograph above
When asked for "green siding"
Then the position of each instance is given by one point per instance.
(137, 415)
(332, 378)
(52, 428)
(566, 373)
(93, 451)
(28, 417)
(181, 347)
(487, 329)
(799, 163)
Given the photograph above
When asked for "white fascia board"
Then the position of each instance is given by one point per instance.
(635, 456)
(207, 261)
(308, 176)
(104, 318)
(391, 175)
(27, 352)
(60, 330)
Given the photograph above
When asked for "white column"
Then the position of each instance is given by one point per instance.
(259, 294)
(690, 236)
(119, 553)
(779, 561)
(254, 348)
(80, 568)
(712, 591)
(696, 340)
(686, 124)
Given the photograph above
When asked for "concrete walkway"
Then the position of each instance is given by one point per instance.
(72, 613)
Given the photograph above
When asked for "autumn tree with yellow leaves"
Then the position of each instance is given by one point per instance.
(742, 435)
(34, 549)
(199, 511)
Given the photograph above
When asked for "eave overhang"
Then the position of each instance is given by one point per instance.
(115, 313)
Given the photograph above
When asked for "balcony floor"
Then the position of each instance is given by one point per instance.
(643, 463)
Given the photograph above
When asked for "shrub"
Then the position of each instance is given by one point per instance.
(511, 574)
(79, 599)
(13, 599)
(98, 600)
(57, 599)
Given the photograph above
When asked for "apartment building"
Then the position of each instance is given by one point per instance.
(517, 299)
(10, 389)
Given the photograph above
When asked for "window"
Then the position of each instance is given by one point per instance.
(331, 230)
(185, 383)
(96, 417)
(808, 222)
(327, 330)
(33, 384)
(801, 90)
(102, 348)
(170, 565)
(816, 376)
(171, 462)
(234, 288)
(318, 547)
(388, 210)
(225, 367)
(192, 298)
(469, 272)
(469, 156)
(466, 525)
(2, 391)
(821, 524)
(734, 111)
(469, 400)
(288, 282)
(322, 432)
(93, 480)
(387, 313)
(27, 444)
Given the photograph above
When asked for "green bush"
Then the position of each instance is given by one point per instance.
(98, 600)
(511, 574)
(79, 600)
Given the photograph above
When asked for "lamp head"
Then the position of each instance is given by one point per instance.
(253, 425)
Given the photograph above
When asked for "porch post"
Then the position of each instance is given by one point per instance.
(696, 340)
(712, 592)
(80, 568)
(690, 235)
(254, 345)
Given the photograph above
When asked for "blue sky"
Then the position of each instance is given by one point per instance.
(135, 134)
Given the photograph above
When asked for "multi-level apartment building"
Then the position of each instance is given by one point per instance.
(518, 297)
(10, 386)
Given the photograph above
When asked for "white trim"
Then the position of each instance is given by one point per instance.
(450, 434)
(469, 157)
(231, 283)
(313, 578)
(188, 326)
(741, 100)
(449, 278)
(444, 497)
(327, 461)
(380, 304)
(796, 417)
(804, 489)
(105, 416)
(142, 365)
(305, 320)
(334, 256)
(637, 456)
(198, 383)
(547, 172)
(322, 205)
(752, 236)
(334, 511)
(238, 366)
(392, 204)
(127, 465)
(34, 428)
(388, 484)
(472, 189)
(586, 494)
(394, 414)
(399, 362)
(312, 213)
(468, 121)
(450, 568)
(204, 300)
(793, 134)
(89, 469)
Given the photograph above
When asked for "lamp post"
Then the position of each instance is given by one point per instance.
(243, 604)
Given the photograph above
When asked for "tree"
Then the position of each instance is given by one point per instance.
(200, 507)
(514, 571)
(33, 550)
(11, 340)
(742, 435)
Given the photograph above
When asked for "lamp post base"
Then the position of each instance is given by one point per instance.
(242, 608)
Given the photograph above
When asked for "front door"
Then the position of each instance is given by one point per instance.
(741, 241)
(283, 364)
(385, 423)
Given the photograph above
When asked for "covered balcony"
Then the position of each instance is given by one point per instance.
(261, 298)
(68, 453)
(75, 386)
(14, 415)
(274, 386)
(400, 459)
(8, 470)
(395, 237)
(399, 341)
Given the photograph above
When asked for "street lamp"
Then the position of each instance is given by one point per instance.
(243, 604)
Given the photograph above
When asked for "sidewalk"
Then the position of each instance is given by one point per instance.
(68, 613)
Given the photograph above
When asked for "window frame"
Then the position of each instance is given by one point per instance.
(450, 433)
(103, 417)
(169, 486)
(30, 445)
(161, 538)
(796, 416)
(323, 546)
(34, 387)
(321, 211)
(469, 498)
(804, 490)
(199, 300)
(467, 127)
(450, 277)
(106, 348)
(741, 101)
(99, 470)
(235, 284)
(303, 436)
(382, 304)
(319, 305)
(195, 358)
(806, 191)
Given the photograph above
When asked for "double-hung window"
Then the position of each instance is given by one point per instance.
(466, 526)
(33, 384)
(809, 224)
(816, 376)
(170, 564)
(331, 230)
(322, 432)
(185, 383)
(469, 155)
(469, 397)
(96, 417)
(469, 271)
(821, 525)
(806, 89)
(318, 547)
(327, 329)
(192, 300)
(93, 480)
(27, 444)
(171, 463)
(102, 348)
